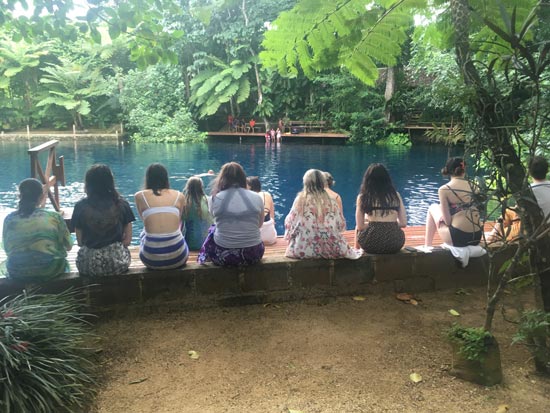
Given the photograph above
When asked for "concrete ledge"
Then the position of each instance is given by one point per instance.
(274, 279)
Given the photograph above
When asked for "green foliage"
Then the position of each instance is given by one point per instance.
(317, 35)
(533, 323)
(534, 332)
(219, 84)
(45, 362)
(397, 139)
(154, 107)
(473, 342)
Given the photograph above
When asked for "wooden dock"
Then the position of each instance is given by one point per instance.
(285, 137)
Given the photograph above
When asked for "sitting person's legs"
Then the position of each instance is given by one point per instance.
(434, 222)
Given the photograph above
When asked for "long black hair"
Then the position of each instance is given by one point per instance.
(30, 192)
(377, 190)
(156, 178)
(100, 184)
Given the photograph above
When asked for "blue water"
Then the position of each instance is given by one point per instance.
(415, 170)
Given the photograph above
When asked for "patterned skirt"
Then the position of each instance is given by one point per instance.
(163, 251)
(228, 257)
(381, 238)
(112, 259)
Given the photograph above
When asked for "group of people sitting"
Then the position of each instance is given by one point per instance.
(231, 226)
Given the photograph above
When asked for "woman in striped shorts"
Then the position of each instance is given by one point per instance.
(162, 245)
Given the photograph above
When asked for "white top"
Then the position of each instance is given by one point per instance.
(542, 193)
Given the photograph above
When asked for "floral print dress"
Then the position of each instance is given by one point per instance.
(309, 238)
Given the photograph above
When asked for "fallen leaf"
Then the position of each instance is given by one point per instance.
(267, 305)
(294, 411)
(138, 380)
(502, 408)
(193, 354)
(413, 301)
(454, 312)
(359, 298)
(404, 297)
(415, 377)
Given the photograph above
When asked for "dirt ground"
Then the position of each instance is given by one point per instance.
(320, 355)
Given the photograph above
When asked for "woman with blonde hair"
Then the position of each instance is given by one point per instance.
(196, 218)
(314, 226)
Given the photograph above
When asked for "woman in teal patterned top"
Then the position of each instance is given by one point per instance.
(36, 241)
(196, 217)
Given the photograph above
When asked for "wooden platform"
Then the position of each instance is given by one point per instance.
(414, 236)
(286, 136)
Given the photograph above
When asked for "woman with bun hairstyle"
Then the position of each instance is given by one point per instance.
(36, 241)
(455, 218)
(238, 214)
(380, 213)
(103, 225)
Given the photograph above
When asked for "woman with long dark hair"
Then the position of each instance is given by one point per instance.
(162, 245)
(238, 213)
(196, 218)
(456, 218)
(36, 241)
(267, 231)
(379, 214)
(103, 225)
(314, 225)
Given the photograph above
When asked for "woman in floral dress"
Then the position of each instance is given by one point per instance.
(314, 226)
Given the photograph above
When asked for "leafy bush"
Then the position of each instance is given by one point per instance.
(45, 364)
(154, 107)
(534, 332)
(473, 342)
(398, 139)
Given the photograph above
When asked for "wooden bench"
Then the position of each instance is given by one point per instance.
(307, 125)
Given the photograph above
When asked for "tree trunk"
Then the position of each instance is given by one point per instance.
(388, 94)
(491, 114)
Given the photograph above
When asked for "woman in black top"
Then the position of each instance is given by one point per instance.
(380, 213)
(103, 225)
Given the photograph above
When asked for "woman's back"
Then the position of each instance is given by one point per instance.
(161, 213)
(196, 220)
(36, 245)
(458, 206)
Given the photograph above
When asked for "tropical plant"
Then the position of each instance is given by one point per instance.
(154, 108)
(534, 332)
(46, 364)
(71, 86)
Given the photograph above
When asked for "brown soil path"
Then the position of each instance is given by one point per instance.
(319, 356)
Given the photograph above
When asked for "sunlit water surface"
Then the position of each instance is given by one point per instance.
(415, 171)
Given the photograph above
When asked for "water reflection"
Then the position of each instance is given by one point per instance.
(280, 167)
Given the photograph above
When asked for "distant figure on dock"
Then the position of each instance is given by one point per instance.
(103, 225)
(251, 124)
(230, 121)
(281, 125)
(278, 135)
(267, 137)
(36, 241)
